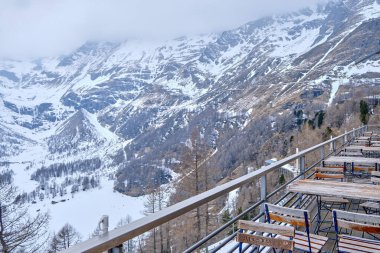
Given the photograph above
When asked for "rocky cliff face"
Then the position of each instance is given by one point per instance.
(136, 102)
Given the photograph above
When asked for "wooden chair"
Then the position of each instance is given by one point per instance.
(369, 206)
(304, 241)
(284, 243)
(363, 223)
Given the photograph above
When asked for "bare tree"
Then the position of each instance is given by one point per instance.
(66, 237)
(129, 246)
(19, 231)
(151, 207)
(195, 174)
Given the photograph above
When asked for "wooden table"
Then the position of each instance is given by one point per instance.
(336, 189)
(371, 133)
(362, 148)
(366, 142)
(353, 160)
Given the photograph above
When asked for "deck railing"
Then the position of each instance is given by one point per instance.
(127, 232)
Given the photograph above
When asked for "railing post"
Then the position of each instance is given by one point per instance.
(103, 224)
(322, 155)
(297, 162)
(345, 136)
(334, 147)
(353, 133)
(118, 249)
(302, 165)
(263, 194)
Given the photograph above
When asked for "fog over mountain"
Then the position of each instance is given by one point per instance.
(40, 28)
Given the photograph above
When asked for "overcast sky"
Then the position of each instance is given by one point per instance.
(37, 28)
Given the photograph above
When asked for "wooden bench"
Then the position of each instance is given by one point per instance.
(356, 222)
(304, 241)
(283, 241)
(331, 173)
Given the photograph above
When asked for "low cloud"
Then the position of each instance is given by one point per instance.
(38, 28)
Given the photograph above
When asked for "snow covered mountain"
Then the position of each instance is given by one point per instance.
(133, 105)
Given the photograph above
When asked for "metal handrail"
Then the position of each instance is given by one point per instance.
(124, 233)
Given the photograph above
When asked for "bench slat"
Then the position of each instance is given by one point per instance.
(265, 241)
(266, 228)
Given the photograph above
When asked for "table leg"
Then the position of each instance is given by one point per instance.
(318, 214)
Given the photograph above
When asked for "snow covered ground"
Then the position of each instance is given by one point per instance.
(84, 209)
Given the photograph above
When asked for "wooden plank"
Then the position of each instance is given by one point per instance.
(352, 159)
(372, 149)
(362, 148)
(358, 246)
(359, 226)
(288, 219)
(335, 200)
(347, 246)
(358, 217)
(363, 169)
(355, 154)
(370, 204)
(300, 213)
(358, 240)
(304, 245)
(326, 176)
(348, 250)
(336, 189)
(318, 239)
(266, 228)
(329, 169)
(354, 148)
(265, 241)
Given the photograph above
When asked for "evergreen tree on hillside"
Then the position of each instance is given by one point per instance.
(364, 109)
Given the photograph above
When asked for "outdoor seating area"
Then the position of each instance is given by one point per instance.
(336, 208)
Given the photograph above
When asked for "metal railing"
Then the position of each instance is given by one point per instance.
(127, 232)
